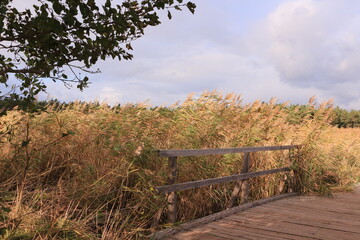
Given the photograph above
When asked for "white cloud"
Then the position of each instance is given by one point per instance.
(303, 48)
(314, 43)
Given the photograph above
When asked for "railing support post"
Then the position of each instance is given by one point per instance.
(241, 185)
(245, 183)
(172, 198)
(294, 183)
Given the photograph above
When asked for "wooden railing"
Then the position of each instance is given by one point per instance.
(242, 178)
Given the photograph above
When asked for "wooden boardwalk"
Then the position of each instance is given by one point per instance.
(300, 217)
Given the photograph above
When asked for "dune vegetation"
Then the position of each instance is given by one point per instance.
(88, 170)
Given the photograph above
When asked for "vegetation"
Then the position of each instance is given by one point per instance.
(346, 119)
(342, 118)
(57, 38)
(88, 171)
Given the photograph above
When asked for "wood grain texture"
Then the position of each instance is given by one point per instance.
(172, 197)
(242, 185)
(211, 181)
(300, 217)
(205, 152)
(219, 215)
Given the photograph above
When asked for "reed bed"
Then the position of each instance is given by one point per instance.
(88, 171)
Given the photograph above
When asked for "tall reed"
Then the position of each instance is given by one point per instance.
(88, 171)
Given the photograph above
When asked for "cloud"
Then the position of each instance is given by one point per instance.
(193, 54)
(168, 80)
(314, 43)
(283, 57)
(291, 49)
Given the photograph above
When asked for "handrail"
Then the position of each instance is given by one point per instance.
(212, 181)
(205, 152)
(242, 178)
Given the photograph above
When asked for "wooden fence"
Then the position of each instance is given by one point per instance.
(242, 178)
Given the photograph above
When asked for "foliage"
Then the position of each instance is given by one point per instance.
(341, 118)
(60, 36)
(88, 171)
(346, 119)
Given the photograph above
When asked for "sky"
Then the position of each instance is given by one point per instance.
(288, 49)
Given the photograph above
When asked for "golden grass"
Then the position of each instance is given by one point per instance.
(88, 171)
(341, 146)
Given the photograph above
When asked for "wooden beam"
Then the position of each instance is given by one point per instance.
(172, 198)
(211, 181)
(204, 152)
(245, 182)
(189, 225)
(242, 185)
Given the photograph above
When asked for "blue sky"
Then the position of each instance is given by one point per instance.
(289, 49)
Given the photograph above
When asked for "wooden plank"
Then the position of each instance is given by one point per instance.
(235, 232)
(324, 220)
(319, 212)
(321, 215)
(304, 217)
(245, 182)
(211, 181)
(198, 236)
(172, 198)
(242, 185)
(327, 204)
(205, 152)
(274, 226)
(331, 205)
(313, 212)
(206, 233)
(275, 223)
(336, 209)
(232, 227)
(219, 215)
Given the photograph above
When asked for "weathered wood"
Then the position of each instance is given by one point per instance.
(245, 183)
(219, 215)
(172, 198)
(241, 184)
(289, 226)
(211, 181)
(302, 217)
(309, 216)
(204, 152)
(236, 232)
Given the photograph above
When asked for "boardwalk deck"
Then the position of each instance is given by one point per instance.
(301, 217)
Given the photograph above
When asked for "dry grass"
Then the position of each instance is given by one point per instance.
(88, 171)
(341, 148)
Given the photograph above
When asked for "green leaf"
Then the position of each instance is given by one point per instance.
(57, 7)
(191, 6)
(84, 10)
(56, 33)
(169, 15)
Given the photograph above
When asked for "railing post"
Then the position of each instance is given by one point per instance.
(294, 184)
(172, 198)
(241, 185)
(245, 183)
